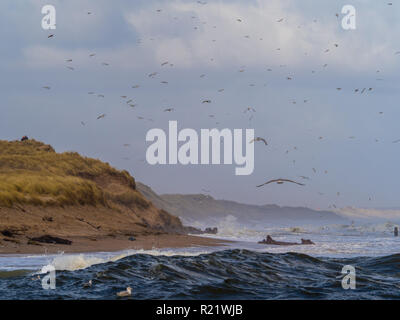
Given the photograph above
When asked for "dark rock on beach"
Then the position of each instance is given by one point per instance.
(211, 230)
(51, 239)
(193, 230)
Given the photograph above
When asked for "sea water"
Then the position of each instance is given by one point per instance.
(242, 269)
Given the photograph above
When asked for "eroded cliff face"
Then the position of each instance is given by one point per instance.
(65, 194)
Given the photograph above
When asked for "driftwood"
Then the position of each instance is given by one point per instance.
(269, 240)
(51, 239)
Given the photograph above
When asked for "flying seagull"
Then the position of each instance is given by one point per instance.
(101, 116)
(249, 109)
(280, 181)
(259, 139)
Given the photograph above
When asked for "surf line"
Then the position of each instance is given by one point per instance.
(188, 152)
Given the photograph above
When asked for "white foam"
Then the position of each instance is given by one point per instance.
(82, 261)
(338, 240)
(365, 238)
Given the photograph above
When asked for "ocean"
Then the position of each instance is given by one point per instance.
(239, 270)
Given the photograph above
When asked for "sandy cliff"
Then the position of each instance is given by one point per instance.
(66, 195)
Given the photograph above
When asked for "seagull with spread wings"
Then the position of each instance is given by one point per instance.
(249, 109)
(280, 181)
(258, 139)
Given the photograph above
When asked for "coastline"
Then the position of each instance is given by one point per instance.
(113, 244)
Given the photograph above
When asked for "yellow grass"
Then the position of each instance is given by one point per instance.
(33, 173)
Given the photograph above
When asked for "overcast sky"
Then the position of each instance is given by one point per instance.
(135, 37)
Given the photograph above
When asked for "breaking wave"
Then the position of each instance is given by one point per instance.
(226, 274)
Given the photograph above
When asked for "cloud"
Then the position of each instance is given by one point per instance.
(191, 35)
(301, 40)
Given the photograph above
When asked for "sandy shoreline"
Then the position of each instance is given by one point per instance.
(110, 244)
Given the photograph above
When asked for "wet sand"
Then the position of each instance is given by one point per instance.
(111, 244)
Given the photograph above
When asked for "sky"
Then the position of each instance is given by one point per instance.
(341, 140)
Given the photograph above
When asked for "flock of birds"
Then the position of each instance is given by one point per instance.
(248, 111)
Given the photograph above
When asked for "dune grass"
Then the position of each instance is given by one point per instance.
(33, 173)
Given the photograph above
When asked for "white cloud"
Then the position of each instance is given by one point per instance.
(296, 36)
(170, 35)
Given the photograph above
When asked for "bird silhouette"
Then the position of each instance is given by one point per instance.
(280, 181)
(258, 139)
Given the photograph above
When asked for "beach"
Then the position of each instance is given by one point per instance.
(111, 244)
(170, 267)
